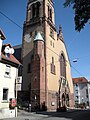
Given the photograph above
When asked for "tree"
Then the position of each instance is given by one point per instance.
(82, 12)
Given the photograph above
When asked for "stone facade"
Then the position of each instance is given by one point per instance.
(45, 80)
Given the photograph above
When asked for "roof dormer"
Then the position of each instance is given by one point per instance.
(7, 50)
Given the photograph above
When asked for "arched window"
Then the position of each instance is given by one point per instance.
(62, 66)
(36, 9)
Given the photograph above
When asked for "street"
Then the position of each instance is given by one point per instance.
(69, 115)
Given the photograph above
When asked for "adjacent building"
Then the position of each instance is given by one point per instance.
(46, 65)
(81, 90)
(89, 92)
(8, 76)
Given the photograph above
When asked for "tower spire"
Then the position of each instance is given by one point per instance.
(60, 35)
(60, 29)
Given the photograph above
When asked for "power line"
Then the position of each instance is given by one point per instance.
(46, 46)
(16, 23)
(10, 20)
(77, 71)
(22, 29)
(70, 43)
(53, 51)
(67, 62)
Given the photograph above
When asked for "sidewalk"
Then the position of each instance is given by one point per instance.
(24, 115)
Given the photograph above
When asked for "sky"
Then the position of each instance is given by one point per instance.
(77, 43)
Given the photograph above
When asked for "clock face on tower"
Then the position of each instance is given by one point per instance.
(27, 38)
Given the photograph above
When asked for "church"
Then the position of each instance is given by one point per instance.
(46, 66)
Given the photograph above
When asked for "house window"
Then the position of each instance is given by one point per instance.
(5, 94)
(86, 91)
(76, 97)
(86, 96)
(53, 71)
(76, 101)
(51, 33)
(76, 91)
(7, 71)
(29, 68)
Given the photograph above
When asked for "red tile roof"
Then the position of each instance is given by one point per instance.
(11, 58)
(80, 80)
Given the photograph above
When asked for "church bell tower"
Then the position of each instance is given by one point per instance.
(39, 18)
(39, 22)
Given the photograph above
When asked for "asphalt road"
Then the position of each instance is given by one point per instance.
(70, 115)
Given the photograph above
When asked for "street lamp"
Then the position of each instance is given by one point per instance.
(75, 60)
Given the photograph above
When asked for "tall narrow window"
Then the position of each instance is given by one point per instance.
(51, 32)
(50, 14)
(63, 66)
(5, 94)
(33, 11)
(48, 11)
(36, 9)
(53, 71)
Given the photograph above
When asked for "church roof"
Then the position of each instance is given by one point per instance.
(38, 37)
